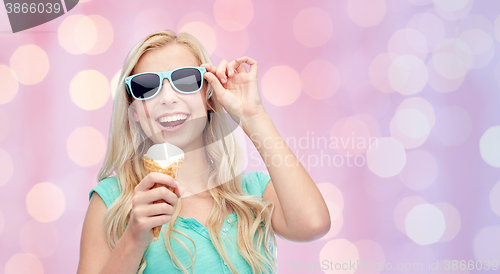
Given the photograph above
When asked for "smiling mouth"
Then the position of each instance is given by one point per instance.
(172, 121)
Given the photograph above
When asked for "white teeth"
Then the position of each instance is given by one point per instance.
(173, 118)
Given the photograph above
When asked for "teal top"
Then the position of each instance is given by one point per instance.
(207, 259)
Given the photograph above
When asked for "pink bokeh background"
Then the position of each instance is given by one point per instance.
(393, 106)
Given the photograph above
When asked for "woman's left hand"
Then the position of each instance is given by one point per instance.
(235, 88)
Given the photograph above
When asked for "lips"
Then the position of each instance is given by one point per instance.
(172, 122)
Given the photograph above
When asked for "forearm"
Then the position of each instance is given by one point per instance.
(302, 203)
(125, 258)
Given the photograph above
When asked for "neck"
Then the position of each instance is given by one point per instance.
(193, 175)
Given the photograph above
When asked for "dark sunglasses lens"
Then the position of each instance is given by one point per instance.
(145, 85)
(187, 80)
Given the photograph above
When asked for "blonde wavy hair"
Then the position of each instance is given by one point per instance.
(122, 160)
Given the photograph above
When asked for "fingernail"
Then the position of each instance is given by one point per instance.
(176, 183)
(224, 79)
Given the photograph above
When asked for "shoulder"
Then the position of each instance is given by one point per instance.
(108, 189)
(255, 182)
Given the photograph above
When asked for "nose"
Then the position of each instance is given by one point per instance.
(167, 93)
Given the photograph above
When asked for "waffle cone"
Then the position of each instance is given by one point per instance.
(151, 166)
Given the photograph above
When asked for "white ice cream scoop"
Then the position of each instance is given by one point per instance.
(165, 154)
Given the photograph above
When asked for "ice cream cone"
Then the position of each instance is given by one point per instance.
(152, 166)
(167, 159)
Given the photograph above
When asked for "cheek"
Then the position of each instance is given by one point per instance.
(139, 116)
(140, 109)
(198, 106)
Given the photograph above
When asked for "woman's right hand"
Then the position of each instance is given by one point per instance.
(146, 215)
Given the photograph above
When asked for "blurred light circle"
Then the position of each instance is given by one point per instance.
(458, 48)
(475, 21)
(332, 193)
(231, 45)
(420, 171)
(105, 35)
(45, 202)
(481, 46)
(7, 167)
(21, 263)
(441, 83)
(2, 222)
(10, 85)
(478, 40)
(450, 5)
(454, 125)
(85, 34)
(86, 146)
(233, 15)
(69, 39)
(408, 74)
(425, 224)
(386, 157)
(336, 219)
(343, 251)
(204, 33)
(350, 136)
(430, 26)
(410, 127)
(407, 42)
(448, 65)
(366, 13)
(494, 199)
(452, 220)
(89, 89)
(403, 208)
(451, 60)
(114, 83)
(483, 59)
(372, 257)
(78, 34)
(379, 72)
(39, 239)
(421, 105)
(197, 16)
(320, 79)
(312, 27)
(4, 124)
(489, 146)
(497, 28)
(412, 123)
(30, 64)
(415, 134)
(486, 244)
(281, 85)
(150, 20)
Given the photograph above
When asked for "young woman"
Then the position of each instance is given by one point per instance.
(226, 224)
